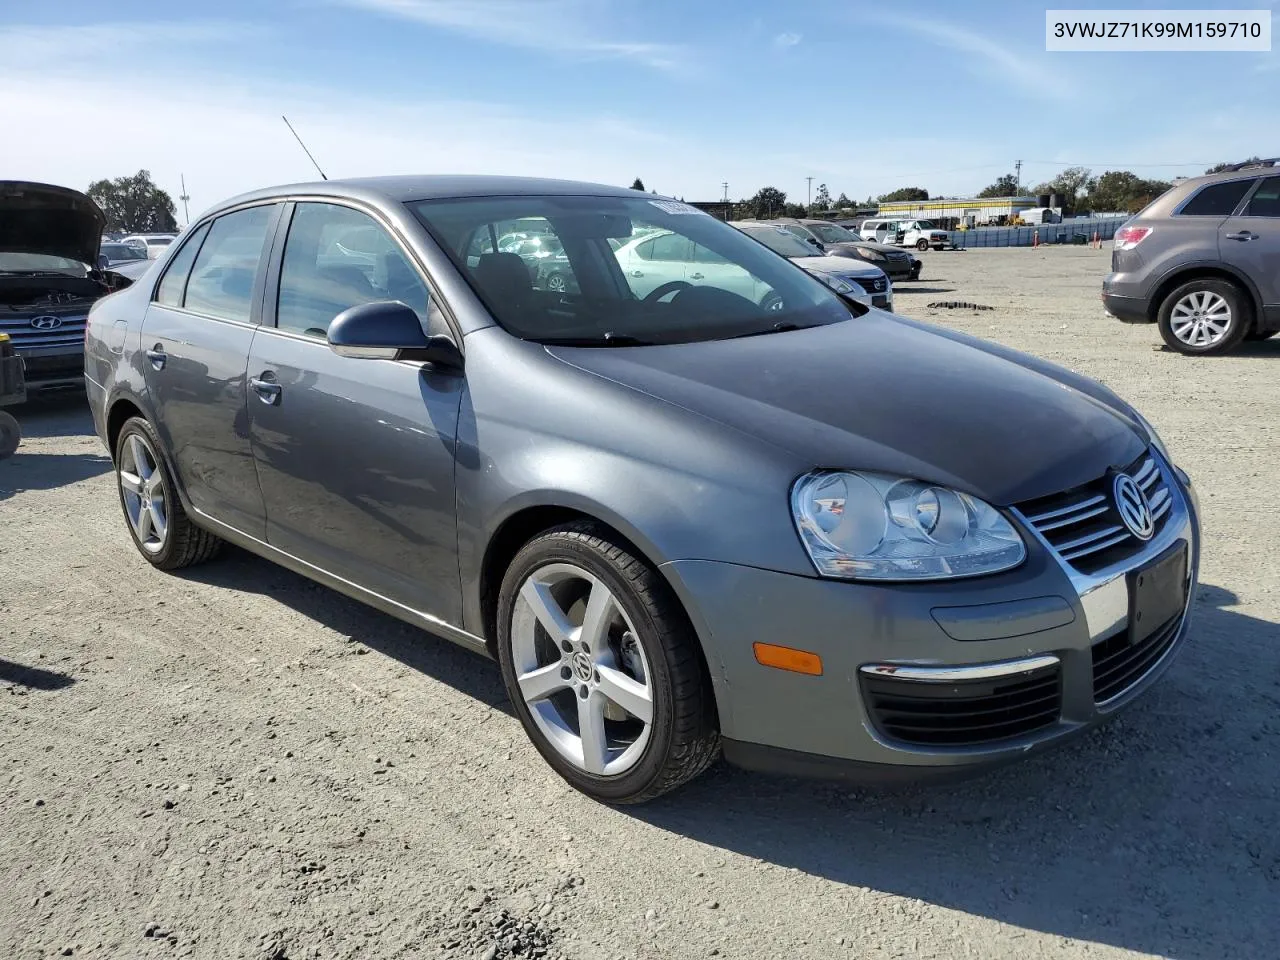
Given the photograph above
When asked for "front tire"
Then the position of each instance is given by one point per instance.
(922, 245)
(1204, 317)
(603, 668)
(160, 527)
(10, 435)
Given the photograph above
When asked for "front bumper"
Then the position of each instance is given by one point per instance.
(1011, 625)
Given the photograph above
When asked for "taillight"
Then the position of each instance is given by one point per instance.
(1129, 237)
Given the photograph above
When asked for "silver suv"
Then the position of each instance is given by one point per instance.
(1203, 261)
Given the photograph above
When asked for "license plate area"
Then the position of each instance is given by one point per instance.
(1157, 592)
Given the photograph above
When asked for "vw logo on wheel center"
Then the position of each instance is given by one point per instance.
(1133, 507)
(582, 666)
(46, 322)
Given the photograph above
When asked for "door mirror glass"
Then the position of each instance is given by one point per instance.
(388, 330)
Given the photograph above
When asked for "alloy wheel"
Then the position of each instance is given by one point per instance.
(582, 669)
(145, 495)
(1201, 319)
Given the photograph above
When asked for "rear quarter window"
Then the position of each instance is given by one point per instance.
(1217, 199)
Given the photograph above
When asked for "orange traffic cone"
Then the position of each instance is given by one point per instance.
(1035, 239)
(1097, 240)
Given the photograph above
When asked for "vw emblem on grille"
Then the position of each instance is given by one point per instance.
(46, 323)
(1132, 504)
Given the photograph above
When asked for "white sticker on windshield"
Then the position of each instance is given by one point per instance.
(676, 207)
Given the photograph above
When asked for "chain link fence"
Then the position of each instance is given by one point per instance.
(1069, 231)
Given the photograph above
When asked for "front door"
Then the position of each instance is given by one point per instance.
(355, 456)
(1251, 243)
(655, 262)
(195, 340)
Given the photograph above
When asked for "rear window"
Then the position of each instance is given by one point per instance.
(1217, 199)
(1265, 201)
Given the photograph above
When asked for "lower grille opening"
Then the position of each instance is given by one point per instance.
(1119, 664)
(966, 712)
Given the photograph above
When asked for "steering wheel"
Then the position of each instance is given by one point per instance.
(671, 286)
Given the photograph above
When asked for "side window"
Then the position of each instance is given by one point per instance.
(174, 283)
(336, 257)
(1217, 199)
(670, 246)
(1265, 201)
(221, 283)
(645, 250)
(703, 254)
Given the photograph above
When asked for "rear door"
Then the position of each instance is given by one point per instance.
(195, 340)
(657, 261)
(355, 456)
(1250, 241)
(708, 268)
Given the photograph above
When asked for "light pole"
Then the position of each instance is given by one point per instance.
(809, 206)
(186, 216)
(725, 185)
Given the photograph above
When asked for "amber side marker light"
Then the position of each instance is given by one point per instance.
(788, 658)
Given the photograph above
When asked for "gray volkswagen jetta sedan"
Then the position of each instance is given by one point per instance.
(819, 539)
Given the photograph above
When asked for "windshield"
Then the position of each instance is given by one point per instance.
(924, 224)
(625, 271)
(781, 241)
(122, 251)
(830, 233)
(40, 263)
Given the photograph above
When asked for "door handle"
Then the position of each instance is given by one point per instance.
(1242, 235)
(695, 276)
(157, 356)
(637, 273)
(267, 391)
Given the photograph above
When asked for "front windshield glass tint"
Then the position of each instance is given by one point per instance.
(40, 263)
(621, 271)
(781, 241)
(830, 233)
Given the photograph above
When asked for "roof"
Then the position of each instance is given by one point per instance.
(406, 189)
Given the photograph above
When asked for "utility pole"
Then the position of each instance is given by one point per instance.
(725, 185)
(809, 205)
(1018, 177)
(186, 215)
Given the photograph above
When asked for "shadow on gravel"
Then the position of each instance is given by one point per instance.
(362, 625)
(33, 677)
(912, 288)
(62, 414)
(44, 471)
(1156, 833)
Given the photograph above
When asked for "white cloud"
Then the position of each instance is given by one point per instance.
(1017, 67)
(551, 26)
(787, 39)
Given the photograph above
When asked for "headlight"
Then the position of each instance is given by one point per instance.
(1155, 437)
(838, 284)
(870, 254)
(878, 527)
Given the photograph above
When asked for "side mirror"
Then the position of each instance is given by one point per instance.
(389, 330)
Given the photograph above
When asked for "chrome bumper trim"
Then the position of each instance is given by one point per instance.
(951, 674)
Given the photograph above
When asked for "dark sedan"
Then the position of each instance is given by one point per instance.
(836, 241)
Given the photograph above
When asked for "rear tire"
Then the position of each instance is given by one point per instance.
(1204, 317)
(10, 435)
(153, 512)
(659, 663)
(922, 245)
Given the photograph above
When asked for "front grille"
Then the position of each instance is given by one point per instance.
(1083, 525)
(69, 332)
(966, 712)
(876, 285)
(1119, 664)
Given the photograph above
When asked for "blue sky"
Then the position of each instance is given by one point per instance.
(686, 94)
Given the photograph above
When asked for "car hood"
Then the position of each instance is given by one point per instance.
(844, 266)
(53, 221)
(885, 394)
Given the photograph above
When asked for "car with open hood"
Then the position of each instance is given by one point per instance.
(686, 520)
(49, 278)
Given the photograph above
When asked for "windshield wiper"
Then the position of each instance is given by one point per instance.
(782, 326)
(608, 340)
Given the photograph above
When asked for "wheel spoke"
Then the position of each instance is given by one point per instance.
(630, 695)
(595, 743)
(541, 683)
(599, 614)
(141, 464)
(1219, 327)
(159, 522)
(538, 597)
(131, 483)
(144, 525)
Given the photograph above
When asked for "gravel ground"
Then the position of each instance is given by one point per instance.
(237, 763)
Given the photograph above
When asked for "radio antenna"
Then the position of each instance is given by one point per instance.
(303, 146)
